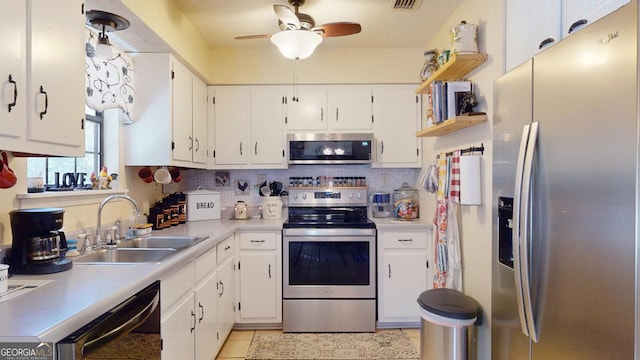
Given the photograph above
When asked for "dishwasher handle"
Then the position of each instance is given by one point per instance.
(117, 322)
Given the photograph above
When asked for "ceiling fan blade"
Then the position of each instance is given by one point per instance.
(286, 15)
(338, 29)
(248, 37)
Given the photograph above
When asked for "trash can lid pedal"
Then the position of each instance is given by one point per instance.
(449, 303)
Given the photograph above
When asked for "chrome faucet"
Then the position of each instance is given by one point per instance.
(98, 242)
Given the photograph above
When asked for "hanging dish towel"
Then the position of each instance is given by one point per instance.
(440, 256)
(454, 187)
(454, 260)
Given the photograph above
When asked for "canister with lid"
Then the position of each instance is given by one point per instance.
(405, 202)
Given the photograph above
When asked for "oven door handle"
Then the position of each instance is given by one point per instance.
(124, 318)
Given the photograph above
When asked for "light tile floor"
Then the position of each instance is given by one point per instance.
(237, 344)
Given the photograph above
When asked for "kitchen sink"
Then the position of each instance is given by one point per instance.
(125, 256)
(161, 241)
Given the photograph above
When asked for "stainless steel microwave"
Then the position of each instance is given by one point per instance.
(316, 148)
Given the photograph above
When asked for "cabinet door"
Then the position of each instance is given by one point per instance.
(531, 26)
(178, 331)
(182, 111)
(258, 286)
(306, 109)
(403, 277)
(206, 309)
(226, 296)
(200, 128)
(350, 108)
(13, 27)
(56, 93)
(231, 123)
(267, 127)
(579, 13)
(396, 116)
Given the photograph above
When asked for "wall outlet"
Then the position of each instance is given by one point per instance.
(385, 180)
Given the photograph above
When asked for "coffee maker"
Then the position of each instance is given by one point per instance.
(38, 246)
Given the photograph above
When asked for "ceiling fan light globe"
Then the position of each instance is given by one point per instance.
(296, 44)
(104, 50)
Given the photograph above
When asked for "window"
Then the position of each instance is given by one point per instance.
(67, 171)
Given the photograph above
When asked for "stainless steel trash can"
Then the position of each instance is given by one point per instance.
(448, 325)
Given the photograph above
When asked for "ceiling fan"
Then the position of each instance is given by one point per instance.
(299, 34)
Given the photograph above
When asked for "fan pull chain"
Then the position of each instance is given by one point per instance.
(295, 97)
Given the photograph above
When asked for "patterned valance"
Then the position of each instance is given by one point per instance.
(109, 82)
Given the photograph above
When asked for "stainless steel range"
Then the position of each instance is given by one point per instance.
(329, 261)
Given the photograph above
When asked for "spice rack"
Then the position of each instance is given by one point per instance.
(456, 68)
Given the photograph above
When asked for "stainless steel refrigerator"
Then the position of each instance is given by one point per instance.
(565, 198)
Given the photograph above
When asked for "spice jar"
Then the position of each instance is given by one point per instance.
(405, 202)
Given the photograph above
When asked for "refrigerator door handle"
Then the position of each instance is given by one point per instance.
(524, 238)
(517, 195)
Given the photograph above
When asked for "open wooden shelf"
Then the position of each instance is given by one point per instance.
(451, 125)
(456, 68)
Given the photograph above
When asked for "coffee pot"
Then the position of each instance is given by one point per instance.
(38, 246)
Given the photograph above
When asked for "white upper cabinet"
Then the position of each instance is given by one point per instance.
(13, 27)
(350, 108)
(45, 58)
(170, 128)
(248, 127)
(306, 109)
(231, 116)
(396, 119)
(532, 26)
(579, 13)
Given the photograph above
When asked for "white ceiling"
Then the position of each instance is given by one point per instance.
(220, 21)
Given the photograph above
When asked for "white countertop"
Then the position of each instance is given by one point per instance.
(84, 292)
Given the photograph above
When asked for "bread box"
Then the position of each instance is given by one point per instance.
(203, 204)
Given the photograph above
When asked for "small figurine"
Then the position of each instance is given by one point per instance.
(104, 180)
(94, 181)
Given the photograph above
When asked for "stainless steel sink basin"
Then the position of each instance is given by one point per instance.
(160, 241)
(125, 256)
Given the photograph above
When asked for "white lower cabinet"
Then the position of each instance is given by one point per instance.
(197, 311)
(403, 274)
(260, 278)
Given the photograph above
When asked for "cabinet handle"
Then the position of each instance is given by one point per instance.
(190, 143)
(269, 271)
(321, 114)
(240, 148)
(381, 147)
(201, 312)
(545, 42)
(576, 25)
(46, 102)
(15, 92)
(405, 240)
(227, 247)
(193, 315)
(197, 145)
(255, 149)
(389, 270)
(337, 115)
(221, 288)
(256, 241)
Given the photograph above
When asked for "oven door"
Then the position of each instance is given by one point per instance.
(329, 263)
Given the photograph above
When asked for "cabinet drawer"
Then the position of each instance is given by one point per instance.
(404, 240)
(205, 264)
(258, 241)
(225, 249)
(175, 286)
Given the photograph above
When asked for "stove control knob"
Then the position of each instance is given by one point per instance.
(350, 195)
(359, 196)
(304, 196)
(295, 196)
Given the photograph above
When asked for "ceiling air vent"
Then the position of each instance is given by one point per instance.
(410, 5)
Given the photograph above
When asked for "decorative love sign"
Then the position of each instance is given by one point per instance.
(70, 180)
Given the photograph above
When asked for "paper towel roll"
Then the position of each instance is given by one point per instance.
(470, 183)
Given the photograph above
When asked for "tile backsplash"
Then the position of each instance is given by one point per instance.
(377, 179)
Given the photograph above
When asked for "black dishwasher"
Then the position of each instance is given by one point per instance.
(130, 330)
